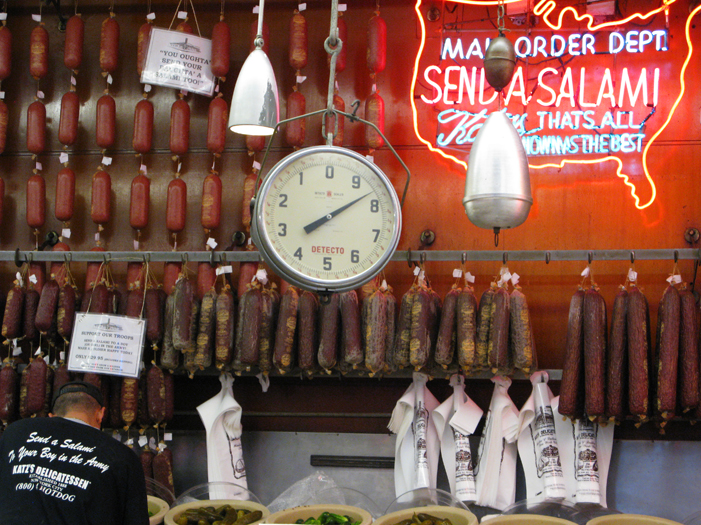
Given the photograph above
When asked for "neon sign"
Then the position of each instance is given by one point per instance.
(571, 110)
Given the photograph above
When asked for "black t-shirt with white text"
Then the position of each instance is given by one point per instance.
(55, 471)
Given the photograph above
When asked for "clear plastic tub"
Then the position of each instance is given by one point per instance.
(434, 502)
(345, 496)
(215, 495)
(631, 519)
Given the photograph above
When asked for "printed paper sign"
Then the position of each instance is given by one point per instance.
(107, 344)
(179, 60)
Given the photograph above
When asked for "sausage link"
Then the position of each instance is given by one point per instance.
(36, 127)
(58, 269)
(49, 379)
(211, 202)
(298, 41)
(143, 126)
(5, 52)
(350, 326)
(135, 302)
(466, 330)
(36, 385)
(176, 206)
(375, 113)
(270, 307)
(29, 314)
(391, 329)
(171, 273)
(65, 195)
(101, 201)
(184, 27)
(616, 359)
(105, 121)
(221, 49)
(206, 278)
(2, 196)
(143, 38)
(283, 357)
(3, 126)
(39, 52)
(170, 357)
(330, 124)
(638, 330)
(189, 352)
(206, 328)
(73, 46)
(9, 393)
(95, 270)
(447, 330)
(109, 45)
(377, 44)
(688, 366)
(37, 270)
(156, 394)
(498, 349)
(61, 376)
(184, 294)
(247, 272)
(329, 326)
(250, 316)
(46, 309)
(225, 327)
(375, 327)
(146, 457)
(249, 189)
(217, 119)
(295, 130)
(255, 143)
(521, 333)
(12, 317)
(420, 343)
(139, 201)
(402, 339)
(667, 352)
(153, 313)
(484, 326)
(572, 385)
(179, 127)
(99, 300)
(68, 123)
(594, 328)
(129, 401)
(66, 311)
(163, 469)
(22, 401)
(307, 335)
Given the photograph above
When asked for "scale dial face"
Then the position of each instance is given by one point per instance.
(326, 219)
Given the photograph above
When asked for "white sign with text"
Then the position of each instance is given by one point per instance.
(107, 344)
(179, 60)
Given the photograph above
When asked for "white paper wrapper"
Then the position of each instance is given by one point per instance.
(495, 475)
(221, 416)
(585, 451)
(456, 420)
(417, 445)
(538, 444)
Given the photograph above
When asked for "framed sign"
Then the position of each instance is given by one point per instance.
(107, 344)
(179, 60)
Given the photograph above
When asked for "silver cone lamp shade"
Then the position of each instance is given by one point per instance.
(498, 186)
(254, 105)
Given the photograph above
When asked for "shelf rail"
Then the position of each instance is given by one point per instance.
(217, 257)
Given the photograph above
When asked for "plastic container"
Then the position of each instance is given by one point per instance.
(424, 498)
(559, 509)
(589, 511)
(159, 491)
(174, 513)
(305, 512)
(217, 490)
(631, 519)
(527, 519)
(345, 496)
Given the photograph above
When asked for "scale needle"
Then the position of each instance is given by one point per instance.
(326, 218)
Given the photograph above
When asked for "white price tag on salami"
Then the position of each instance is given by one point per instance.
(674, 279)
(457, 273)
(151, 16)
(63, 157)
(66, 233)
(632, 275)
(224, 269)
(107, 344)
(470, 278)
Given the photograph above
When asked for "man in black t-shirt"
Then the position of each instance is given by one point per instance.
(62, 470)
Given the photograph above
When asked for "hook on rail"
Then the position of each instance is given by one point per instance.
(505, 258)
(590, 257)
(463, 257)
(422, 259)
(547, 257)
(676, 256)
(632, 257)
(408, 258)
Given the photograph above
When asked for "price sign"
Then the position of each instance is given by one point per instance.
(107, 344)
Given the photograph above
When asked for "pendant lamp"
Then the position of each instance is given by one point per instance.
(254, 104)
